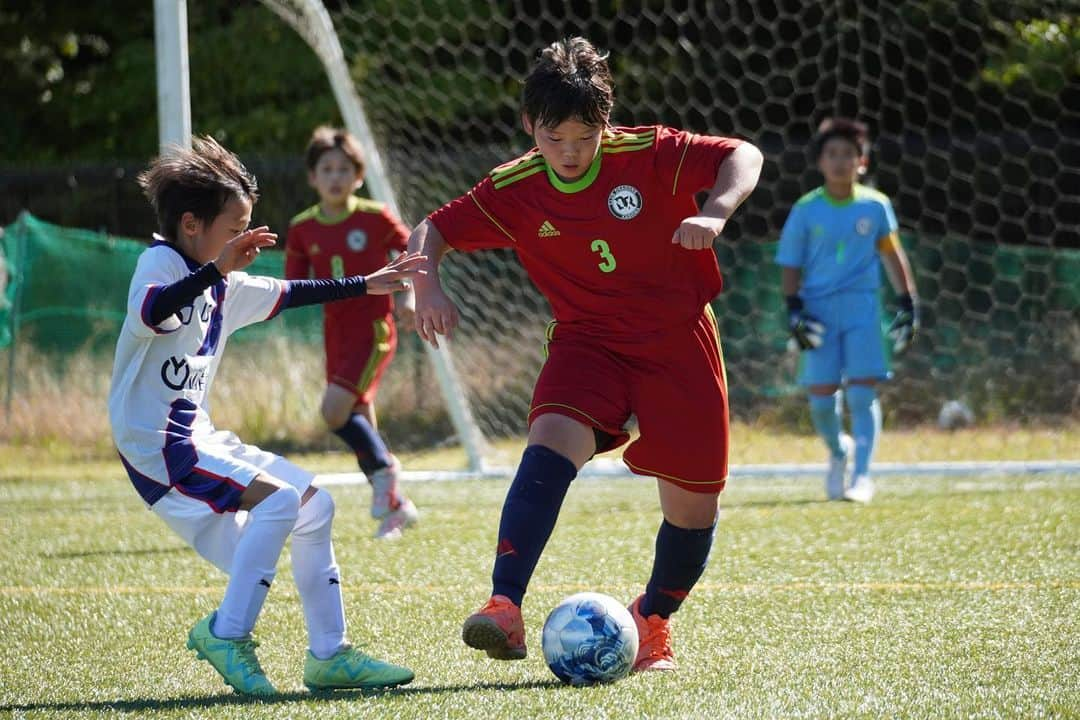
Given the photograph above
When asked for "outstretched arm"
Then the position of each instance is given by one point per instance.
(393, 277)
(237, 254)
(436, 313)
(735, 180)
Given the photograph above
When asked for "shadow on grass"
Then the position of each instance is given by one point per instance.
(96, 553)
(772, 503)
(137, 704)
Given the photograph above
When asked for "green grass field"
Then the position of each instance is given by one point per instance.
(944, 598)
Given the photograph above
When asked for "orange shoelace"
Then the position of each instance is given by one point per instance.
(657, 639)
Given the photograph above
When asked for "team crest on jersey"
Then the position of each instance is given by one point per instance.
(356, 240)
(624, 202)
(863, 226)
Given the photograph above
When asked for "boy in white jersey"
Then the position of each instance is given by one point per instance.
(187, 296)
(832, 248)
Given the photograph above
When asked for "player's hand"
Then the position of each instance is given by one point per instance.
(807, 332)
(905, 325)
(698, 232)
(242, 250)
(396, 275)
(436, 313)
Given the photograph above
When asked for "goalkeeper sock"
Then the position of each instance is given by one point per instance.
(528, 517)
(365, 441)
(865, 424)
(680, 559)
(825, 414)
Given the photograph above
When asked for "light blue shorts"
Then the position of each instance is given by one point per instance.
(854, 344)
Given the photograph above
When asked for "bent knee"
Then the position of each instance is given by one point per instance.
(335, 415)
(281, 504)
(338, 404)
(316, 515)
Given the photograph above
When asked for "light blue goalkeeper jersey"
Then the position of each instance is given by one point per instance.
(836, 243)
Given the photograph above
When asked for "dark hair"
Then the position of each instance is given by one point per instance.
(326, 138)
(571, 80)
(853, 131)
(200, 181)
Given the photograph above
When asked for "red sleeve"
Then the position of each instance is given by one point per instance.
(688, 163)
(471, 222)
(397, 234)
(297, 262)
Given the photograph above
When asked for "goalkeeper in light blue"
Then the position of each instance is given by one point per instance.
(831, 251)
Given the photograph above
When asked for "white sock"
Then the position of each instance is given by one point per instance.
(254, 562)
(316, 574)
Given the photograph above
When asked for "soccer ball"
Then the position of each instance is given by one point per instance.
(590, 638)
(955, 414)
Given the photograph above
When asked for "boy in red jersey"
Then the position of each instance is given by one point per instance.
(605, 222)
(346, 235)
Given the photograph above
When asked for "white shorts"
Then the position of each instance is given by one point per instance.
(203, 507)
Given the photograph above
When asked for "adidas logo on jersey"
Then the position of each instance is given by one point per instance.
(547, 230)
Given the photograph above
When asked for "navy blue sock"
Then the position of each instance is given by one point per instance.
(528, 517)
(364, 440)
(681, 556)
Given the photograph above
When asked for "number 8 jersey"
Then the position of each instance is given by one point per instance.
(599, 248)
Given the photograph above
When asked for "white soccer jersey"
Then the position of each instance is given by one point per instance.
(158, 402)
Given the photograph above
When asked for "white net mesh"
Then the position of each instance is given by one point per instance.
(975, 110)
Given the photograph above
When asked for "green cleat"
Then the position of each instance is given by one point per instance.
(234, 660)
(351, 669)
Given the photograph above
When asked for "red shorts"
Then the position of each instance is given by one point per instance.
(677, 388)
(358, 352)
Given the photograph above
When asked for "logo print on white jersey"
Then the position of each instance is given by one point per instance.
(185, 314)
(175, 373)
(356, 240)
(863, 226)
(624, 202)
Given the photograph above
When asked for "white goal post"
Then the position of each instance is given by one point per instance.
(311, 21)
(991, 311)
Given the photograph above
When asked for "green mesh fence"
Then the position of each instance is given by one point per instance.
(1001, 324)
(66, 289)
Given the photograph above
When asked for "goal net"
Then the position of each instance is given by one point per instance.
(975, 112)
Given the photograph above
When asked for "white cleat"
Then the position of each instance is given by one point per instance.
(861, 490)
(395, 522)
(834, 479)
(384, 489)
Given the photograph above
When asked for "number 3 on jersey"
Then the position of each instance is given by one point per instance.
(601, 246)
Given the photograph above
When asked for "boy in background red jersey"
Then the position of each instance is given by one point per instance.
(605, 222)
(346, 235)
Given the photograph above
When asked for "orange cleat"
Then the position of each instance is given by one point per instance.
(496, 628)
(654, 641)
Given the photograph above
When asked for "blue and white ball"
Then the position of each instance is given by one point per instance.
(590, 638)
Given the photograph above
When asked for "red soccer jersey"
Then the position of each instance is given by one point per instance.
(600, 249)
(354, 243)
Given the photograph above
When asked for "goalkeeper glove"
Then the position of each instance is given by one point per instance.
(807, 332)
(905, 324)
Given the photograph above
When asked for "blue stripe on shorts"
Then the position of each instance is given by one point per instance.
(220, 493)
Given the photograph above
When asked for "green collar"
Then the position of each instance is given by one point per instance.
(350, 207)
(581, 183)
(837, 202)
